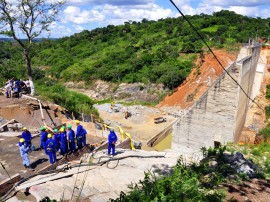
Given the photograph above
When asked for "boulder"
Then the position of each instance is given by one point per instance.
(240, 164)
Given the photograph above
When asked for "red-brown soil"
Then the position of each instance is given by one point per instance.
(253, 190)
(199, 80)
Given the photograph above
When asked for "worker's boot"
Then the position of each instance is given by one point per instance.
(30, 168)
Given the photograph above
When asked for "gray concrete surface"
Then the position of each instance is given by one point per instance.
(219, 115)
(102, 183)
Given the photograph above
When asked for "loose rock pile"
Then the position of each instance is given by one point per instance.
(241, 165)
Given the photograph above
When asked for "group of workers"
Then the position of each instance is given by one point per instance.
(14, 87)
(62, 141)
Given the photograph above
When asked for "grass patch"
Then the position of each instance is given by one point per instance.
(73, 101)
(267, 112)
(211, 29)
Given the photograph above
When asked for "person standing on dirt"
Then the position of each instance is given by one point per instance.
(28, 88)
(27, 136)
(24, 151)
(57, 139)
(79, 134)
(71, 139)
(84, 137)
(8, 88)
(63, 141)
(23, 87)
(112, 139)
(43, 137)
(50, 149)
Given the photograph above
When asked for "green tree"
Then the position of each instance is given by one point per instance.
(31, 18)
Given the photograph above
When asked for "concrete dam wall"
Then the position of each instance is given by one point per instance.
(219, 115)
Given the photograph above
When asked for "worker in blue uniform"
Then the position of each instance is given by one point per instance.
(50, 149)
(64, 129)
(63, 141)
(24, 151)
(112, 139)
(27, 136)
(56, 139)
(84, 137)
(43, 137)
(71, 139)
(79, 134)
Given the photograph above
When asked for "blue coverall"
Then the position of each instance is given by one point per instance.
(63, 143)
(43, 139)
(71, 137)
(84, 137)
(26, 135)
(57, 140)
(112, 138)
(50, 149)
(79, 136)
(24, 150)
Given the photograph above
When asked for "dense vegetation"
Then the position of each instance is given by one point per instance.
(160, 51)
(146, 51)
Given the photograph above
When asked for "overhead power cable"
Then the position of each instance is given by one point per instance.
(209, 48)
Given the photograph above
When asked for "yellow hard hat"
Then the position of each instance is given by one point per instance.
(61, 130)
(49, 135)
(77, 121)
(21, 140)
(24, 128)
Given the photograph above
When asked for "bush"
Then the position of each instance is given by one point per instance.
(182, 185)
(265, 132)
(267, 112)
(186, 183)
(71, 100)
(267, 95)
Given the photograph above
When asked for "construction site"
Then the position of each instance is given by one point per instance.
(207, 110)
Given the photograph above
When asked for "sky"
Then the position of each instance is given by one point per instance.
(78, 15)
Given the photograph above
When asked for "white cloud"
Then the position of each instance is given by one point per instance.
(75, 15)
(236, 3)
(78, 28)
(153, 12)
(251, 8)
(109, 14)
(111, 2)
(58, 30)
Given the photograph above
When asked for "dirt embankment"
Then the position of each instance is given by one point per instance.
(127, 92)
(256, 119)
(199, 79)
(27, 112)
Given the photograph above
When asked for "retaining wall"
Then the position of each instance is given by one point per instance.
(219, 115)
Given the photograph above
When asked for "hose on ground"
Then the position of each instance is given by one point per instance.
(5, 197)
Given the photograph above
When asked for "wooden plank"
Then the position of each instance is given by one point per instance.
(11, 121)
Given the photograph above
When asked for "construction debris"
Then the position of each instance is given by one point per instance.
(159, 120)
(11, 125)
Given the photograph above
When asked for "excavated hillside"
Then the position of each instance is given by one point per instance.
(27, 112)
(199, 79)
